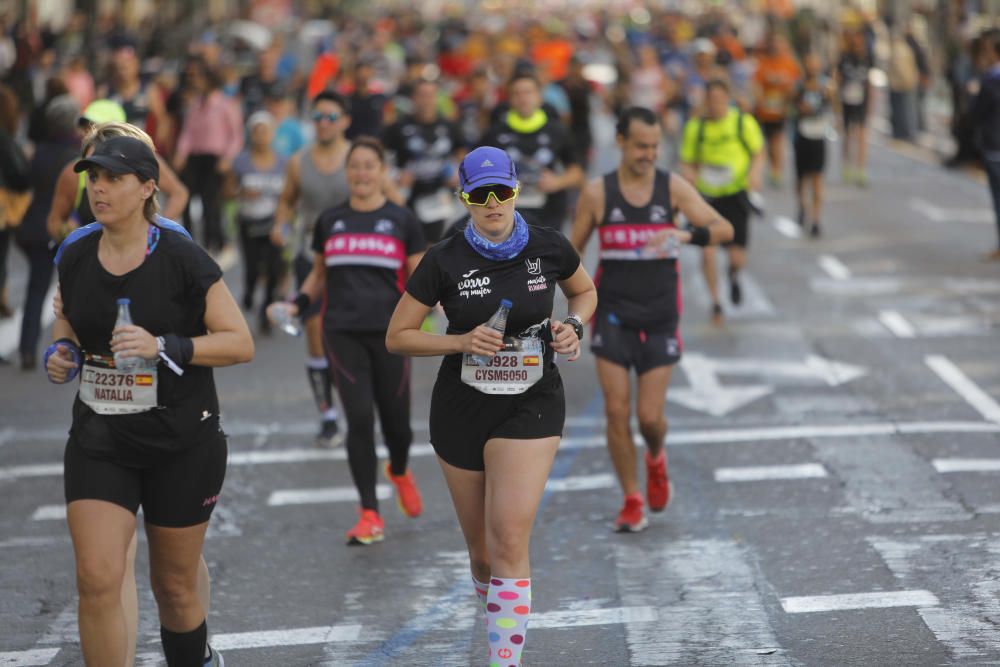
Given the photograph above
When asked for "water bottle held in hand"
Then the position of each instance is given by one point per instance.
(287, 322)
(498, 323)
(125, 319)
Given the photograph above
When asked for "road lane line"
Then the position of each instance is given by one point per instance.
(581, 483)
(787, 227)
(32, 658)
(49, 513)
(966, 465)
(585, 617)
(339, 494)
(879, 600)
(964, 387)
(834, 267)
(775, 472)
(676, 439)
(291, 637)
(897, 324)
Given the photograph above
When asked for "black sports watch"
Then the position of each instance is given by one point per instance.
(577, 324)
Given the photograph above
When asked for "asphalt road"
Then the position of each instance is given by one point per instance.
(834, 450)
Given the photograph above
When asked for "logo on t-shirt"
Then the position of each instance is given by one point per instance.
(384, 226)
(469, 274)
(339, 226)
(616, 215)
(534, 266)
(657, 213)
(474, 287)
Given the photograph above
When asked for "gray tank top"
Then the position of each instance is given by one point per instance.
(318, 191)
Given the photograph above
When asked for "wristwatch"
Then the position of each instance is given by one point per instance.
(576, 322)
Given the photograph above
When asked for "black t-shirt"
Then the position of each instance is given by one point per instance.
(551, 148)
(366, 115)
(641, 291)
(365, 254)
(168, 296)
(425, 149)
(470, 287)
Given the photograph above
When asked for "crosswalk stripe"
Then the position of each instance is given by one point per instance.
(292, 637)
(576, 619)
(966, 465)
(964, 387)
(580, 483)
(787, 227)
(30, 658)
(49, 513)
(897, 324)
(834, 267)
(775, 472)
(340, 494)
(850, 601)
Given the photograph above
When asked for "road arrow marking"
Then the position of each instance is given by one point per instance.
(706, 393)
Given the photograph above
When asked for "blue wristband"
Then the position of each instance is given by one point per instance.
(74, 350)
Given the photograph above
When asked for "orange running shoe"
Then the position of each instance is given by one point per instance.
(631, 519)
(658, 486)
(369, 528)
(407, 495)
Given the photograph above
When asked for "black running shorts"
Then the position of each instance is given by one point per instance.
(810, 156)
(629, 347)
(736, 209)
(175, 490)
(463, 419)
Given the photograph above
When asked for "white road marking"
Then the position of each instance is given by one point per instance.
(290, 637)
(720, 436)
(707, 394)
(31, 658)
(834, 267)
(787, 227)
(49, 513)
(976, 216)
(577, 619)
(964, 387)
(340, 494)
(708, 601)
(580, 483)
(812, 368)
(897, 324)
(808, 604)
(966, 465)
(29, 542)
(775, 472)
(963, 622)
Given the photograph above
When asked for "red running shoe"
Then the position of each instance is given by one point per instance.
(631, 519)
(369, 528)
(407, 495)
(658, 486)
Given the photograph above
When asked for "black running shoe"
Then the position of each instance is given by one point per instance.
(329, 435)
(735, 291)
(814, 230)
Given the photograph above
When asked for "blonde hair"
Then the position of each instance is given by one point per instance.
(101, 132)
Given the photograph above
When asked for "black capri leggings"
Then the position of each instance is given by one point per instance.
(367, 375)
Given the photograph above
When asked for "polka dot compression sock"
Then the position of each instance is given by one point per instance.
(508, 604)
(481, 590)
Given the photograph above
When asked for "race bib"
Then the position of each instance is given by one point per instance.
(774, 102)
(513, 370)
(437, 206)
(853, 93)
(716, 175)
(111, 391)
(814, 127)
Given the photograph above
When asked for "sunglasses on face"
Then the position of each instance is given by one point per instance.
(318, 116)
(481, 196)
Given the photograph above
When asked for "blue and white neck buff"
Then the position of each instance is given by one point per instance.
(504, 250)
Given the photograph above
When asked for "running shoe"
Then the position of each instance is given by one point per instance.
(407, 495)
(814, 231)
(329, 435)
(735, 291)
(658, 486)
(717, 315)
(215, 659)
(369, 528)
(631, 518)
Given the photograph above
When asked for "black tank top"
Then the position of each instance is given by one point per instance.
(641, 291)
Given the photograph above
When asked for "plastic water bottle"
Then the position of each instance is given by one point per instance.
(285, 320)
(498, 323)
(125, 319)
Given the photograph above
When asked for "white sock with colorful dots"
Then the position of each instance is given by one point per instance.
(508, 604)
(482, 590)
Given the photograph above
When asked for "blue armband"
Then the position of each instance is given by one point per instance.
(74, 351)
